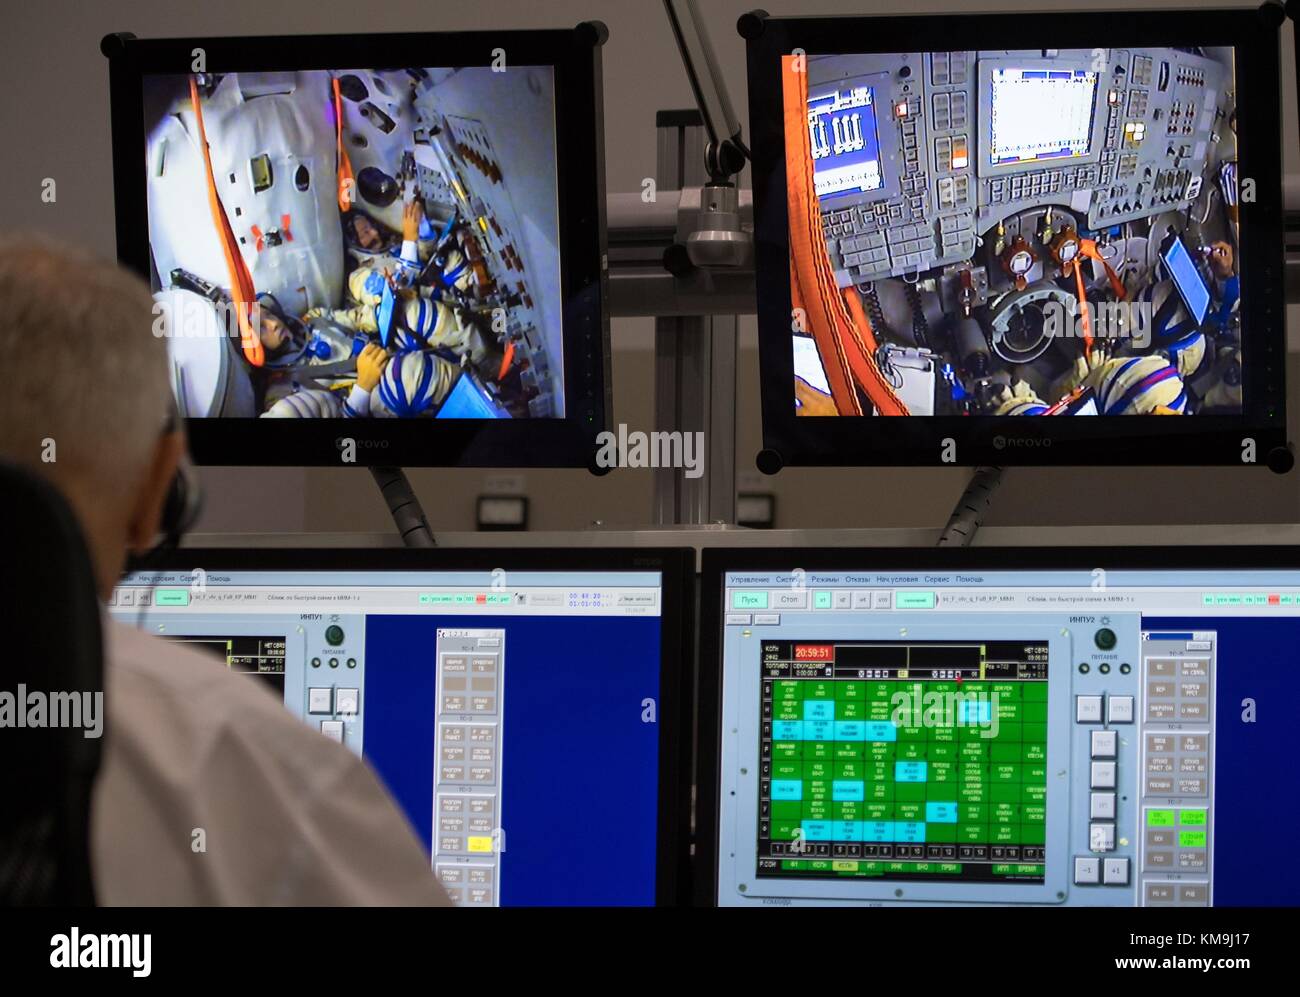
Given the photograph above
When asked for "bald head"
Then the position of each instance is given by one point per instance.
(85, 400)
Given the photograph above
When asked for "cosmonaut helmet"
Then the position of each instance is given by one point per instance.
(1187, 353)
(1163, 315)
(435, 324)
(1138, 386)
(1019, 399)
(366, 284)
(310, 403)
(1022, 406)
(457, 272)
(413, 384)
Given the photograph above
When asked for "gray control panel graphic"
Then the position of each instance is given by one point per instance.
(467, 836)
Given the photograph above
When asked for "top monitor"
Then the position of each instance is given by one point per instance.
(397, 231)
(1018, 229)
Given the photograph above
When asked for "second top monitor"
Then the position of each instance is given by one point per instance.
(987, 217)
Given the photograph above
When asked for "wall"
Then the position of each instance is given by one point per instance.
(55, 118)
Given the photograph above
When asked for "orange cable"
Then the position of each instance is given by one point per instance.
(241, 282)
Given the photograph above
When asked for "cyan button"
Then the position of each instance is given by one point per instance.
(749, 600)
(914, 600)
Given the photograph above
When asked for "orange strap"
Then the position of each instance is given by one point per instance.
(505, 360)
(1088, 249)
(241, 282)
(1077, 264)
(346, 181)
(845, 340)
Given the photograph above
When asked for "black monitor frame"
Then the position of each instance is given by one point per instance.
(580, 172)
(1112, 440)
(716, 561)
(675, 703)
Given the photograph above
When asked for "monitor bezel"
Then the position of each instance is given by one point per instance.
(716, 561)
(574, 54)
(1202, 440)
(675, 704)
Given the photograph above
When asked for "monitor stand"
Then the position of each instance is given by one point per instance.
(408, 516)
(969, 512)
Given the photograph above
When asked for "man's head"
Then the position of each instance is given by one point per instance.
(366, 232)
(86, 398)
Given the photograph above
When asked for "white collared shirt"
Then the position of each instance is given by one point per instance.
(211, 792)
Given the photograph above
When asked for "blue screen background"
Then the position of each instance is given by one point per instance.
(869, 153)
(580, 773)
(1195, 294)
(1256, 805)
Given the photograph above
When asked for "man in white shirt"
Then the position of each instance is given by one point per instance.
(210, 792)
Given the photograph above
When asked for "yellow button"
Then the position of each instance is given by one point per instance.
(480, 843)
(839, 865)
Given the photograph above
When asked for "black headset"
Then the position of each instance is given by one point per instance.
(182, 506)
(180, 509)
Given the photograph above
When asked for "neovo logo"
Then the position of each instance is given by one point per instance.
(347, 447)
(1020, 442)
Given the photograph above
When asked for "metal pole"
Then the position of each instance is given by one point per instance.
(695, 364)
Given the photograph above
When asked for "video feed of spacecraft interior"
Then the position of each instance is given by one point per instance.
(357, 243)
(998, 233)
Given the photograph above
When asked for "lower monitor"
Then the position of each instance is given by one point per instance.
(507, 700)
(1047, 727)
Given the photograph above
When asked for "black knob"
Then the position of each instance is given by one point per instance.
(1105, 638)
(677, 261)
(334, 635)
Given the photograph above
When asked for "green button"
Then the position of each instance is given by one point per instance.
(1234, 600)
(1207, 599)
(914, 600)
(1160, 818)
(1191, 818)
(1222, 599)
(821, 600)
(749, 600)
(435, 598)
(1287, 600)
(171, 597)
(498, 599)
(1191, 839)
